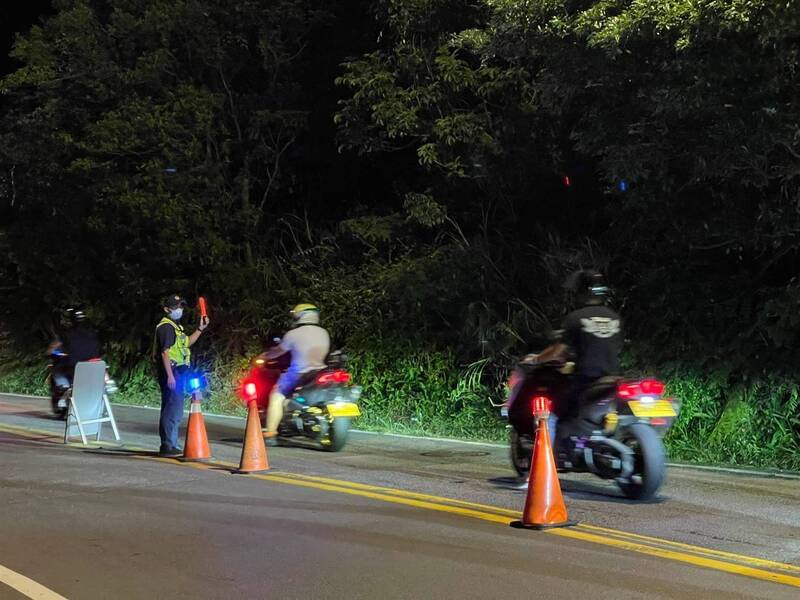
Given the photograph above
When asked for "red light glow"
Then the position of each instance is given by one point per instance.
(646, 387)
(333, 377)
(541, 404)
(652, 387)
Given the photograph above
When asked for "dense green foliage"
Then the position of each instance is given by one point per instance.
(401, 163)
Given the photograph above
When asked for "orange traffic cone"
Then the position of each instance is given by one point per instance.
(196, 446)
(544, 505)
(254, 451)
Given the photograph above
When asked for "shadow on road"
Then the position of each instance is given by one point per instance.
(39, 414)
(592, 492)
(121, 452)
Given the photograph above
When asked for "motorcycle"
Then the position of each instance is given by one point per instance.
(320, 408)
(59, 381)
(615, 431)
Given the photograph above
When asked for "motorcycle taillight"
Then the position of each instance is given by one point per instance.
(651, 387)
(333, 377)
(646, 387)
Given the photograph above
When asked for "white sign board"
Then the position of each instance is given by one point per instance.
(88, 406)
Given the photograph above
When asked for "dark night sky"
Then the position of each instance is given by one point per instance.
(17, 17)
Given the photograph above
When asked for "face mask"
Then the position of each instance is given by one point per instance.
(176, 314)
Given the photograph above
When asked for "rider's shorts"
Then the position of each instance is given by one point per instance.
(287, 382)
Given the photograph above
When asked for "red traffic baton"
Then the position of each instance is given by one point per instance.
(203, 309)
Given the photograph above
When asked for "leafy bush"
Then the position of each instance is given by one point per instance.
(754, 424)
(413, 390)
(21, 378)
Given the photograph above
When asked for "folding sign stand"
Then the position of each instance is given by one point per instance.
(89, 407)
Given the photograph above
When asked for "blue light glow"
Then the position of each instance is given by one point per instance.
(194, 383)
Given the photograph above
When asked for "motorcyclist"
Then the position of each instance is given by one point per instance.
(591, 337)
(80, 343)
(308, 344)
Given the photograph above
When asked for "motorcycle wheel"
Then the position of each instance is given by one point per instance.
(521, 452)
(337, 434)
(649, 463)
(59, 411)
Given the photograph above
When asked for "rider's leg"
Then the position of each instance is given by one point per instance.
(61, 380)
(552, 425)
(274, 412)
(278, 401)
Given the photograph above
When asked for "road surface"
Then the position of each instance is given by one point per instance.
(388, 517)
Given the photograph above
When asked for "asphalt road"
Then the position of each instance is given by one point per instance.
(388, 517)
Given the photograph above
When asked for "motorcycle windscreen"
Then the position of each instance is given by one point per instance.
(87, 396)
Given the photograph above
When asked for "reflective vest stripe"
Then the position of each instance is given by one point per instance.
(179, 353)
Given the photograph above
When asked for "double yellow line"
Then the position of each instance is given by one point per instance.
(728, 562)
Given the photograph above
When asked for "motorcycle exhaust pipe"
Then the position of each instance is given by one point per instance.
(600, 444)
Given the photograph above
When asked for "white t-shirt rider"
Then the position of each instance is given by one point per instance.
(309, 346)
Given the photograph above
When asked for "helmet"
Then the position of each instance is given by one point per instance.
(589, 286)
(73, 316)
(305, 314)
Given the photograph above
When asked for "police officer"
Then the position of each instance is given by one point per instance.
(173, 358)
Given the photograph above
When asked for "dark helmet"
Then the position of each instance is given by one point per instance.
(73, 316)
(589, 286)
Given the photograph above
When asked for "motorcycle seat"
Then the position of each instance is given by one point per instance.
(600, 387)
(307, 378)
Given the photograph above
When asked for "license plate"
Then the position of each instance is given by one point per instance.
(659, 408)
(343, 409)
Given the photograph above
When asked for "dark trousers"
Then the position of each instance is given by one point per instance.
(171, 408)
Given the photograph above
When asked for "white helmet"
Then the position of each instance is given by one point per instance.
(305, 314)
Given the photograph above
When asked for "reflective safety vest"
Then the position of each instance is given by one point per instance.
(179, 353)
